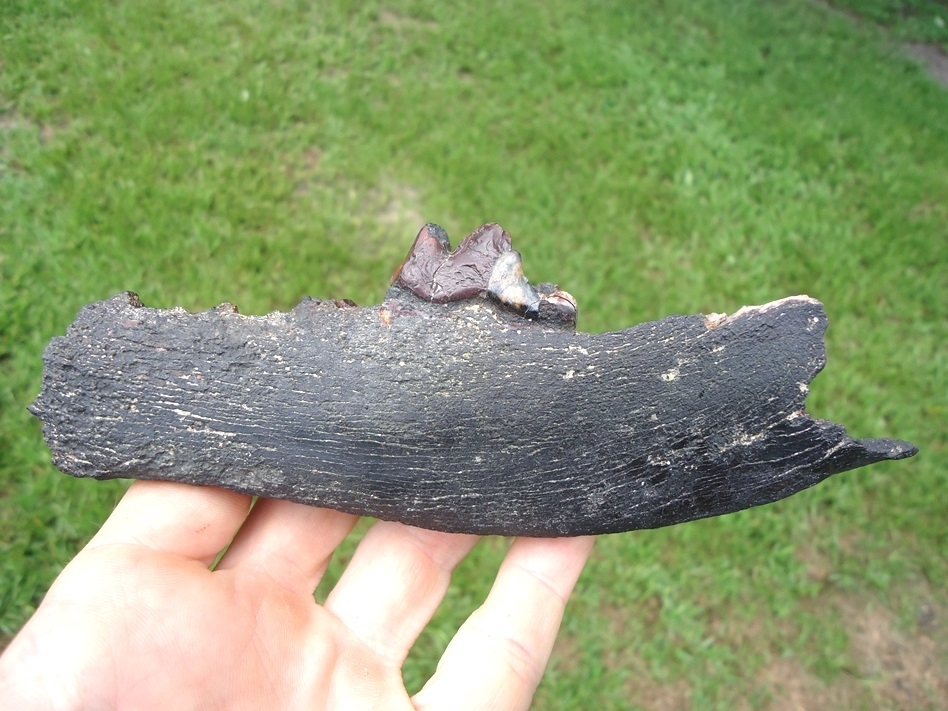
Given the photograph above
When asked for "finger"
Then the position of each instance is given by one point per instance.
(394, 583)
(291, 543)
(508, 639)
(196, 522)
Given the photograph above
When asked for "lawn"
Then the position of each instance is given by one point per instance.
(652, 158)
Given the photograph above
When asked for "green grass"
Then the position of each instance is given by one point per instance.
(651, 157)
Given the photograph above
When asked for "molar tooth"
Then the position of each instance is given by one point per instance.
(510, 287)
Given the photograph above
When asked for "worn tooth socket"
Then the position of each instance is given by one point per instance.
(559, 307)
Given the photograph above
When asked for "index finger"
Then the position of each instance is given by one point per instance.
(195, 522)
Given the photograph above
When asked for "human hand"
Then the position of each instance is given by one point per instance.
(138, 620)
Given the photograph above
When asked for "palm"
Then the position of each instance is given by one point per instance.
(235, 636)
(142, 622)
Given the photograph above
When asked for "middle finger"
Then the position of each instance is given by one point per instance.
(291, 543)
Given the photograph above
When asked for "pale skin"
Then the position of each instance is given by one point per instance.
(139, 620)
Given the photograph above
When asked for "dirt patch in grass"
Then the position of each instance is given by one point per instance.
(794, 688)
(14, 121)
(393, 205)
(654, 696)
(401, 209)
(401, 21)
(933, 58)
(889, 667)
(642, 690)
(902, 669)
(818, 565)
(386, 215)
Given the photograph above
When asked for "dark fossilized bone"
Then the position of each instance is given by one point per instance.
(465, 402)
